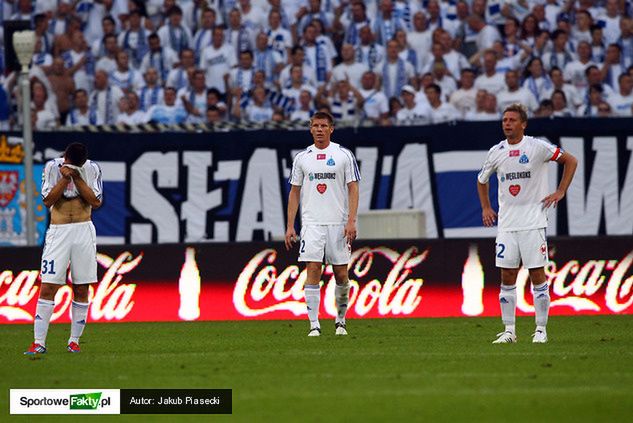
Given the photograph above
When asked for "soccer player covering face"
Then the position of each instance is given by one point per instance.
(71, 188)
(324, 179)
(520, 162)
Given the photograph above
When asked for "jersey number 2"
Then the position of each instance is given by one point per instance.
(48, 267)
(501, 248)
(303, 246)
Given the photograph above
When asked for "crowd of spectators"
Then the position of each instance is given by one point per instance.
(389, 62)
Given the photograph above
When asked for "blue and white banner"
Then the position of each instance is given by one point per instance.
(211, 187)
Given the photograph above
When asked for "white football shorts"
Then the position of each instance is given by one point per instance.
(74, 243)
(324, 241)
(527, 247)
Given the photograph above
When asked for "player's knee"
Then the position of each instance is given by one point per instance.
(80, 293)
(340, 274)
(537, 276)
(48, 291)
(509, 276)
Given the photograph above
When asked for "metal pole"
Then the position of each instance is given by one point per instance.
(27, 142)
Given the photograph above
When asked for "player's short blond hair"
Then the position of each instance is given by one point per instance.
(322, 115)
(518, 108)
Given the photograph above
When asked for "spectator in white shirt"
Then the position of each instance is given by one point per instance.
(574, 100)
(151, 93)
(514, 93)
(80, 114)
(279, 38)
(125, 77)
(177, 77)
(297, 58)
(559, 105)
(104, 100)
(107, 62)
(195, 98)
(349, 69)
(130, 113)
(159, 57)
(440, 111)
(368, 52)
(258, 109)
(485, 109)
(203, 36)
(464, 99)
(536, 80)
(486, 34)
(490, 80)
(168, 113)
(317, 56)
(98, 48)
(79, 61)
(217, 60)
(239, 36)
(445, 81)
(43, 118)
(610, 20)
(134, 39)
(622, 101)
(411, 112)
(174, 34)
(375, 103)
(420, 37)
(396, 72)
(242, 76)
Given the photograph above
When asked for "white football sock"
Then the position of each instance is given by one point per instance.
(43, 314)
(540, 294)
(508, 303)
(313, 302)
(341, 296)
(78, 320)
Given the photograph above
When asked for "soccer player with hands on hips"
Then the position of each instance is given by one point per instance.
(71, 188)
(324, 179)
(520, 162)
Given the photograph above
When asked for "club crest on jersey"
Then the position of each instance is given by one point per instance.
(514, 190)
(321, 188)
(524, 159)
(543, 249)
(321, 156)
(311, 176)
(503, 178)
(514, 153)
(330, 162)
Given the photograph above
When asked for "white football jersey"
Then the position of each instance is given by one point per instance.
(323, 175)
(522, 176)
(90, 171)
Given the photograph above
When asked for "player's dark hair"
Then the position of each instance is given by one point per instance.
(76, 153)
(517, 108)
(39, 18)
(322, 115)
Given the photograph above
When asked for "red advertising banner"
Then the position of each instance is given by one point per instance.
(434, 278)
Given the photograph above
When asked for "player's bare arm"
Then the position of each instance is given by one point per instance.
(293, 206)
(569, 163)
(56, 193)
(350, 226)
(488, 215)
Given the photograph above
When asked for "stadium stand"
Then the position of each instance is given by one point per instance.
(109, 64)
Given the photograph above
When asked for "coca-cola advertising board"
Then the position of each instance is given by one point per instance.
(390, 279)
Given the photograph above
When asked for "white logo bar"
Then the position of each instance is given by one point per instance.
(65, 401)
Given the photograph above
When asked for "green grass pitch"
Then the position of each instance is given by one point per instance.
(397, 370)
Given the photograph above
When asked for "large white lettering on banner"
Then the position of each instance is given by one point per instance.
(603, 194)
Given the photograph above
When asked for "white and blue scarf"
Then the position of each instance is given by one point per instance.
(401, 79)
